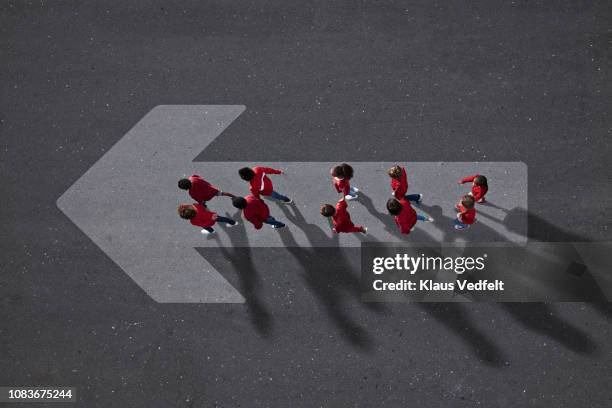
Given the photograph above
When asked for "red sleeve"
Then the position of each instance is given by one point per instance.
(404, 229)
(257, 223)
(468, 179)
(270, 170)
(254, 189)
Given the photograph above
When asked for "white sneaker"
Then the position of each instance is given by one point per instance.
(365, 230)
(420, 200)
(355, 189)
(429, 219)
(232, 225)
(350, 197)
(287, 202)
(206, 232)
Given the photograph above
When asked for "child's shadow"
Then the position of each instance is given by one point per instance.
(249, 283)
(328, 274)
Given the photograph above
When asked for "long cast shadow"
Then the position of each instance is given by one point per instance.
(540, 320)
(249, 283)
(327, 283)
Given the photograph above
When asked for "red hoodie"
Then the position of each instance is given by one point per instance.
(201, 190)
(203, 218)
(343, 185)
(407, 218)
(256, 211)
(466, 216)
(261, 184)
(342, 219)
(478, 192)
(400, 186)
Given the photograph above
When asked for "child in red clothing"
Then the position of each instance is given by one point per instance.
(201, 190)
(341, 176)
(200, 216)
(479, 187)
(405, 216)
(466, 215)
(256, 211)
(341, 219)
(260, 184)
(399, 185)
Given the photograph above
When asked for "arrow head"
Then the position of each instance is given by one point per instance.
(119, 201)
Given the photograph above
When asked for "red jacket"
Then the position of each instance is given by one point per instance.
(201, 190)
(478, 192)
(261, 184)
(204, 218)
(400, 187)
(407, 218)
(342, 219)
(342, 185)
(256, 211)
(466, 216)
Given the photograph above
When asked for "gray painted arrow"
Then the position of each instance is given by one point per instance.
(126, 203)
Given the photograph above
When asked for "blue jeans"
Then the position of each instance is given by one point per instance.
(221, 219)
(278, 196)
(352, 192)
(421, 217)
(461, 225)
(413, 197)
(273, 222)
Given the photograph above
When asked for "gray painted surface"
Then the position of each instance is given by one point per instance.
(126, 203)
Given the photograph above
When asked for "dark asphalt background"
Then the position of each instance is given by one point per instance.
(322, 80)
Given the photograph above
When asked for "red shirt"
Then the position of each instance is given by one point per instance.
(342, 219)
(342, 185)
(256, 211)
(407, 218)
(203, 218)
(466, 216)
(261, 184)
(201, 190)
(478, 192)
(400, 186)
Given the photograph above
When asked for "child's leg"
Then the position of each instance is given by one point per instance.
(421, 217)
(460, 226)
(279, 197)
(272, 221)
(415, 198)
(352, 193)
(225, 220)
(207, 230)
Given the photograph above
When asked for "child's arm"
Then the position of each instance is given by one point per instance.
(258, 223)
(468, 179)
(270, 170)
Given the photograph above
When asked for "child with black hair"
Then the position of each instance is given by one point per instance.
(405, 216)
(256, 211)
(260, 184)
(200, 216)
(340, 217)
(466, 214)
(479, 187)
(201, 190)
(341, 176)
